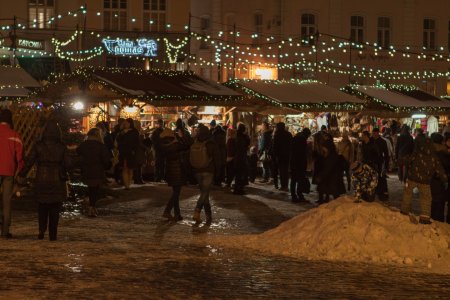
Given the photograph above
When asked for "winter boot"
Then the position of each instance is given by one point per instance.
(208, 214)
(196, 216)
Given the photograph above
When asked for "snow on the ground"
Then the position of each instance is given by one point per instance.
(362, 232)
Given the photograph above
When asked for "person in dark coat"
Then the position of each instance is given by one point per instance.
(447, 191)
(439, 193)
(181, 128)
(231, 153)
(403, 150)
(369, 152)
(281, 150)
(219, 136)
(173, 146)
(264, 150)
(117, 167)
(128, 142)
(205, 173)
(298, 164)
(52, 160)
(159, 154)
(383, 164)
(95, 159)
(330, 179)
(240, 160)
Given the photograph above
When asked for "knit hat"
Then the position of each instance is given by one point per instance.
(167, 133)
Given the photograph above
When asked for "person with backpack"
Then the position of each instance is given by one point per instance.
(205, 159)
(52, 159)
(96, 159)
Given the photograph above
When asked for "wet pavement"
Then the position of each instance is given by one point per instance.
(130, 251)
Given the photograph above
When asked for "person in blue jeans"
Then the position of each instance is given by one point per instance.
(205, 161)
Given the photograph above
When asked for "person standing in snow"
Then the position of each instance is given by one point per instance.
(424, 164)
(365, 181)
(281, 147)
(403, 151)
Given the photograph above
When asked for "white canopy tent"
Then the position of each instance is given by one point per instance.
(15, 82)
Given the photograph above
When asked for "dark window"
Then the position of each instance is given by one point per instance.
(429, 34)
(357, 29)
(384, 32)
(308, 28)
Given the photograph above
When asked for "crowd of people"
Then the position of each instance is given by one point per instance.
(224, 156)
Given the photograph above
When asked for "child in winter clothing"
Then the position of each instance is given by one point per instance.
(365, 181)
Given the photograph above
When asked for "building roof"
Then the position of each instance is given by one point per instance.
(15, 82)
(302, 95)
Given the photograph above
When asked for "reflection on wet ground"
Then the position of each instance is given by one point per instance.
(130, 251)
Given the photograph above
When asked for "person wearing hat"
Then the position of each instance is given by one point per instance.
(11, 161)
(365, 181)
(173, 145)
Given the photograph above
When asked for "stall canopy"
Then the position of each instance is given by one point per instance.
(299, 95)
(404, 102)
(156, 87)
(15, 83)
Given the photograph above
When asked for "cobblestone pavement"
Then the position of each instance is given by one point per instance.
(130, 251)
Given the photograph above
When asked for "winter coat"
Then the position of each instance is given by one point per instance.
(383, 151)
(330, 177)
(425, 164)
(173, 150)
(365, 182)
(265, 142)
(128, 144)
(345, 148)
(214, 155)
(95, 159)
(11, 151)
(404, 147)
(282, 145)
(52, 160)
(370, 155)
(156, 140)
(299, 160)
(241, 149)
(219, 137)
(231, 148)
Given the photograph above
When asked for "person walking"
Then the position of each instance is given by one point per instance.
(95, 160)
(159, 154)
(281, 149)
(52, 159)
(383, 164)
(403, 150)
(424, 164)
(128, 144)
(264, 150)
(298, 164)
(173, 146)
(11, 161)
(205, 158)
(240, 160)
(345, 149)
(231, 153)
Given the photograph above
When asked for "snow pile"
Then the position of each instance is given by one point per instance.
(343, 230)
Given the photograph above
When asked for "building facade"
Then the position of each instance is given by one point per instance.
(112, 33)
(333, 41)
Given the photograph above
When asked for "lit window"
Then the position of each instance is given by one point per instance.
(308, 28)
(154, 17)
(40, 13)
(384, 32)
(115, 15)
(357, 29)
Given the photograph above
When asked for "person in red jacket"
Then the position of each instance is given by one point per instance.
(11, 161)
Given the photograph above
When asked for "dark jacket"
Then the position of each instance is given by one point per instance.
(128, 144)
(241, 149)
(219, 136)
(212, 148)
(173, 149)
(156, 140)
(330, 175)
(282, 144)
(231, 148)
(265, 142)
(383, 152)
(425, 164)
(53, 161)
(405, 146)
(370, 155)
(95, 159)
(299, 152)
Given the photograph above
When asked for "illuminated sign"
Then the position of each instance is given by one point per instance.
(140, 47)
(29, 44)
